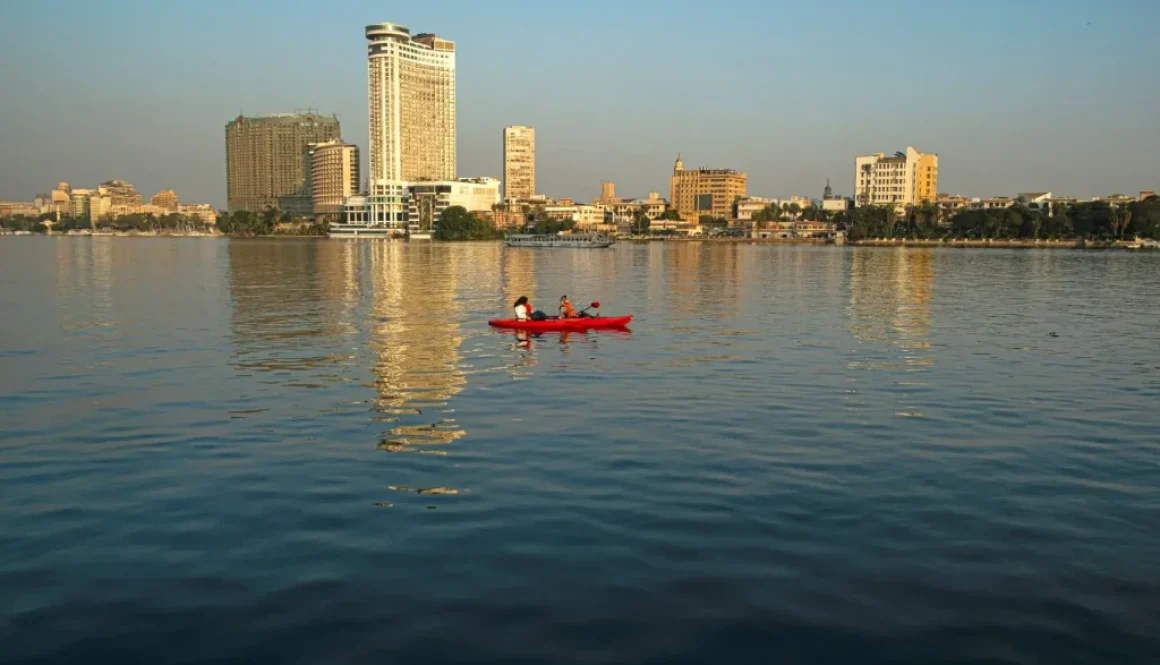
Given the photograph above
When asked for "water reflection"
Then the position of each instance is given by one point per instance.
(890, 295)
(518, 266)
(85, 270)
(280, 312)
(415, 337)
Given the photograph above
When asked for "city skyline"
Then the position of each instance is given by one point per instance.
(1016, 98)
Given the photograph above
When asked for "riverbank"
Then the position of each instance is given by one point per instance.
(115, 234)
(998, 243)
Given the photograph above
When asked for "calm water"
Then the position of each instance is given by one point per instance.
(210, 451)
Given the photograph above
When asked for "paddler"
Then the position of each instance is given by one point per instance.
(566, 311)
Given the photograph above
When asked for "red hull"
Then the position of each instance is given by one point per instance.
(563, 324)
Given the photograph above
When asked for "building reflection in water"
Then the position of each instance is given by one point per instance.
(415, 338)
(85, 268)
(890, 295)
(518, 267)
(701, 280)
(282, 321)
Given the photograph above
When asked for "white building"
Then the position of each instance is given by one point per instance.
(426, 201)
(902, 179)
(836, 204)
(590, 217)
(749, 206)
(411, 98)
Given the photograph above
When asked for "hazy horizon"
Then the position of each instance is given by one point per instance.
(1013, 96)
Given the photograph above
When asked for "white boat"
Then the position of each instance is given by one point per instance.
(1143, 243)
(362, 230)
(579, 240)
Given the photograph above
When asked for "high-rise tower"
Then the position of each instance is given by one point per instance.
(519, 162)
(265, 157)
(411, 95)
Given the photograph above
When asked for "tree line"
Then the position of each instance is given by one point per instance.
(1089, 220)
(132, 222)
(247, 223)
(775, 212)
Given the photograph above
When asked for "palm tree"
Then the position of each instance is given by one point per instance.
(775, 212)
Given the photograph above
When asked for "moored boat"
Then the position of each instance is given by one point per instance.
(362, 230)
(578, 240)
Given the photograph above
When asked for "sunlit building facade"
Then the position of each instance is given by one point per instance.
(699, 192)
(411, 97)
(265, 158)
(901, 179)
(519, 162)
(334, 176)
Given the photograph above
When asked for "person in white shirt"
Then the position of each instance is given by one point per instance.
(524, 311)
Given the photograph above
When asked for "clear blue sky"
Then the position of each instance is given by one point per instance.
(1014, 95)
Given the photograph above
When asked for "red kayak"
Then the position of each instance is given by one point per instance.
(578, 323)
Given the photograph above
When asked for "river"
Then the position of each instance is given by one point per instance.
(302, 451)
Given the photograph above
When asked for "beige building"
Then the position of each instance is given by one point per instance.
(591, 217)
(705, 191)
(411, 95)
(121, 193)
(902, 179)
(166, 199)
(28, 208)
(654, 206)
(607, 193)
(266, 158)
(202, 211)
(334, 176)
(519, 162)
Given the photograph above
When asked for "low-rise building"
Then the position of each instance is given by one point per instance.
(744, 209)
(426, 201)
(202, 211)
(837, 204)
(560, 213)
(653, 206)
(1038, 201)
(787, 229)
(11, 208)
(121, 193)
(165, 199)
(1116, 199)
(591, 218)
(834, 203)
(993, 203)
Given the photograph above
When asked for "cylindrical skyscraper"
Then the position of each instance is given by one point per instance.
(411, 94)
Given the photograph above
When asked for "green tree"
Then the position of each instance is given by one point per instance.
(456, 223)
(1146, 217)
(670, 215)
(640, 224)
(1121, 218)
